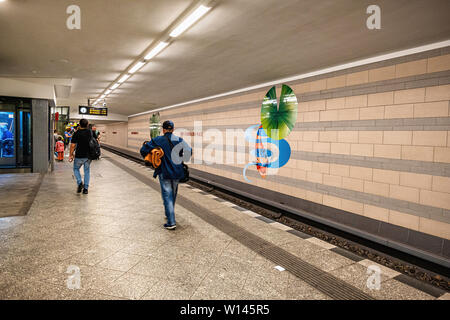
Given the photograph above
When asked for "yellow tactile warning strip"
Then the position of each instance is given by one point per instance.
(323, 281)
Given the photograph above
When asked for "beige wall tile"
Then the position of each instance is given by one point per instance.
(378, 188)
(441, 63)
(437, 93)
(330, 180)
(417, 153)
(442, 154)
(411, 68)
(409, 96)
(435, 199)
(323, 147)
(348, 114)
(404, 193)
(304, 164)
(397, 137)
(381, 74)
(436, 228)
(321, 167)
(361, 149)
(399, 111)
(303, 106)
(339, 170)
(305, 146)
(318, 85)
(329, 115)
(441, 184)
(376, 213)
(302, 87)
(353, 184)
(361, 173)
(296, 135)
(337, 103)
(416, 180)
(300, 117)
(336, 82)
(387, 151)
(331, 201)
(404, 220)
(371, 137)
(381, 99)
(356, 101)
(314, 196)
(348, 136)
(371, 113)
(299, 193)
(386, 176)
(314, 177)
(317, 105)
(352, 206)
(328, 136)
(299, 174)
(311, 136)
(430, 138)
(311, 116)
(357, 78)
(431, 109)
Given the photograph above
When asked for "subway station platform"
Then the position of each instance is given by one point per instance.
(114, 237)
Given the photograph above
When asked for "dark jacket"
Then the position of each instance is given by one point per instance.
(168, 169)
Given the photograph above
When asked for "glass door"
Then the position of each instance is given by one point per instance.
(24, 147)
(7, 137)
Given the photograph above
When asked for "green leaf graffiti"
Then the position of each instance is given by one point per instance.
(279, 122)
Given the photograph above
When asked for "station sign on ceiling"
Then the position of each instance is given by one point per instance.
(92, 111)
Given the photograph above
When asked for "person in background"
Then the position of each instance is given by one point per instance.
(55, 136)
(67, 137)
(171, 169)
(96, 133)
(59, 148)
(79, 152)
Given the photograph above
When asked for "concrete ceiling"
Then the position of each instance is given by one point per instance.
(238, 43)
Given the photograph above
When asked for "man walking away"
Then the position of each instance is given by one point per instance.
(80, 145)
(171, 169)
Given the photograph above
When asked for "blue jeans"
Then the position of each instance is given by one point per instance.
(169, 189)
(77, 163)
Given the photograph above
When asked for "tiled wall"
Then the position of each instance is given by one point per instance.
(372, 140)
(114, 133)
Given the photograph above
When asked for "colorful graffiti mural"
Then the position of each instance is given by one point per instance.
(271, 150)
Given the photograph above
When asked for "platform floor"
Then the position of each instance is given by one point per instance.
(114, 236)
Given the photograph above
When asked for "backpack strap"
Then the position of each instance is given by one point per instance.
(170, 142)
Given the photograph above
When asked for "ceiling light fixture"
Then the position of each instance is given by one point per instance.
(190, 20)
(182, 27)
(124, 78)
(136, 67)
(160, 47)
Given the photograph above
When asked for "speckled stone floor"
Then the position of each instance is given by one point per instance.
(110, 244)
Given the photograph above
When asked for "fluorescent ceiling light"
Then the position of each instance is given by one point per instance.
(190, 20)
(114, 86)
(108, 92)
(102, 96)
(160, 47)
(137, 66)
(124, 78)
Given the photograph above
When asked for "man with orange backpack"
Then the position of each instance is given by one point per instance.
(171, 169)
